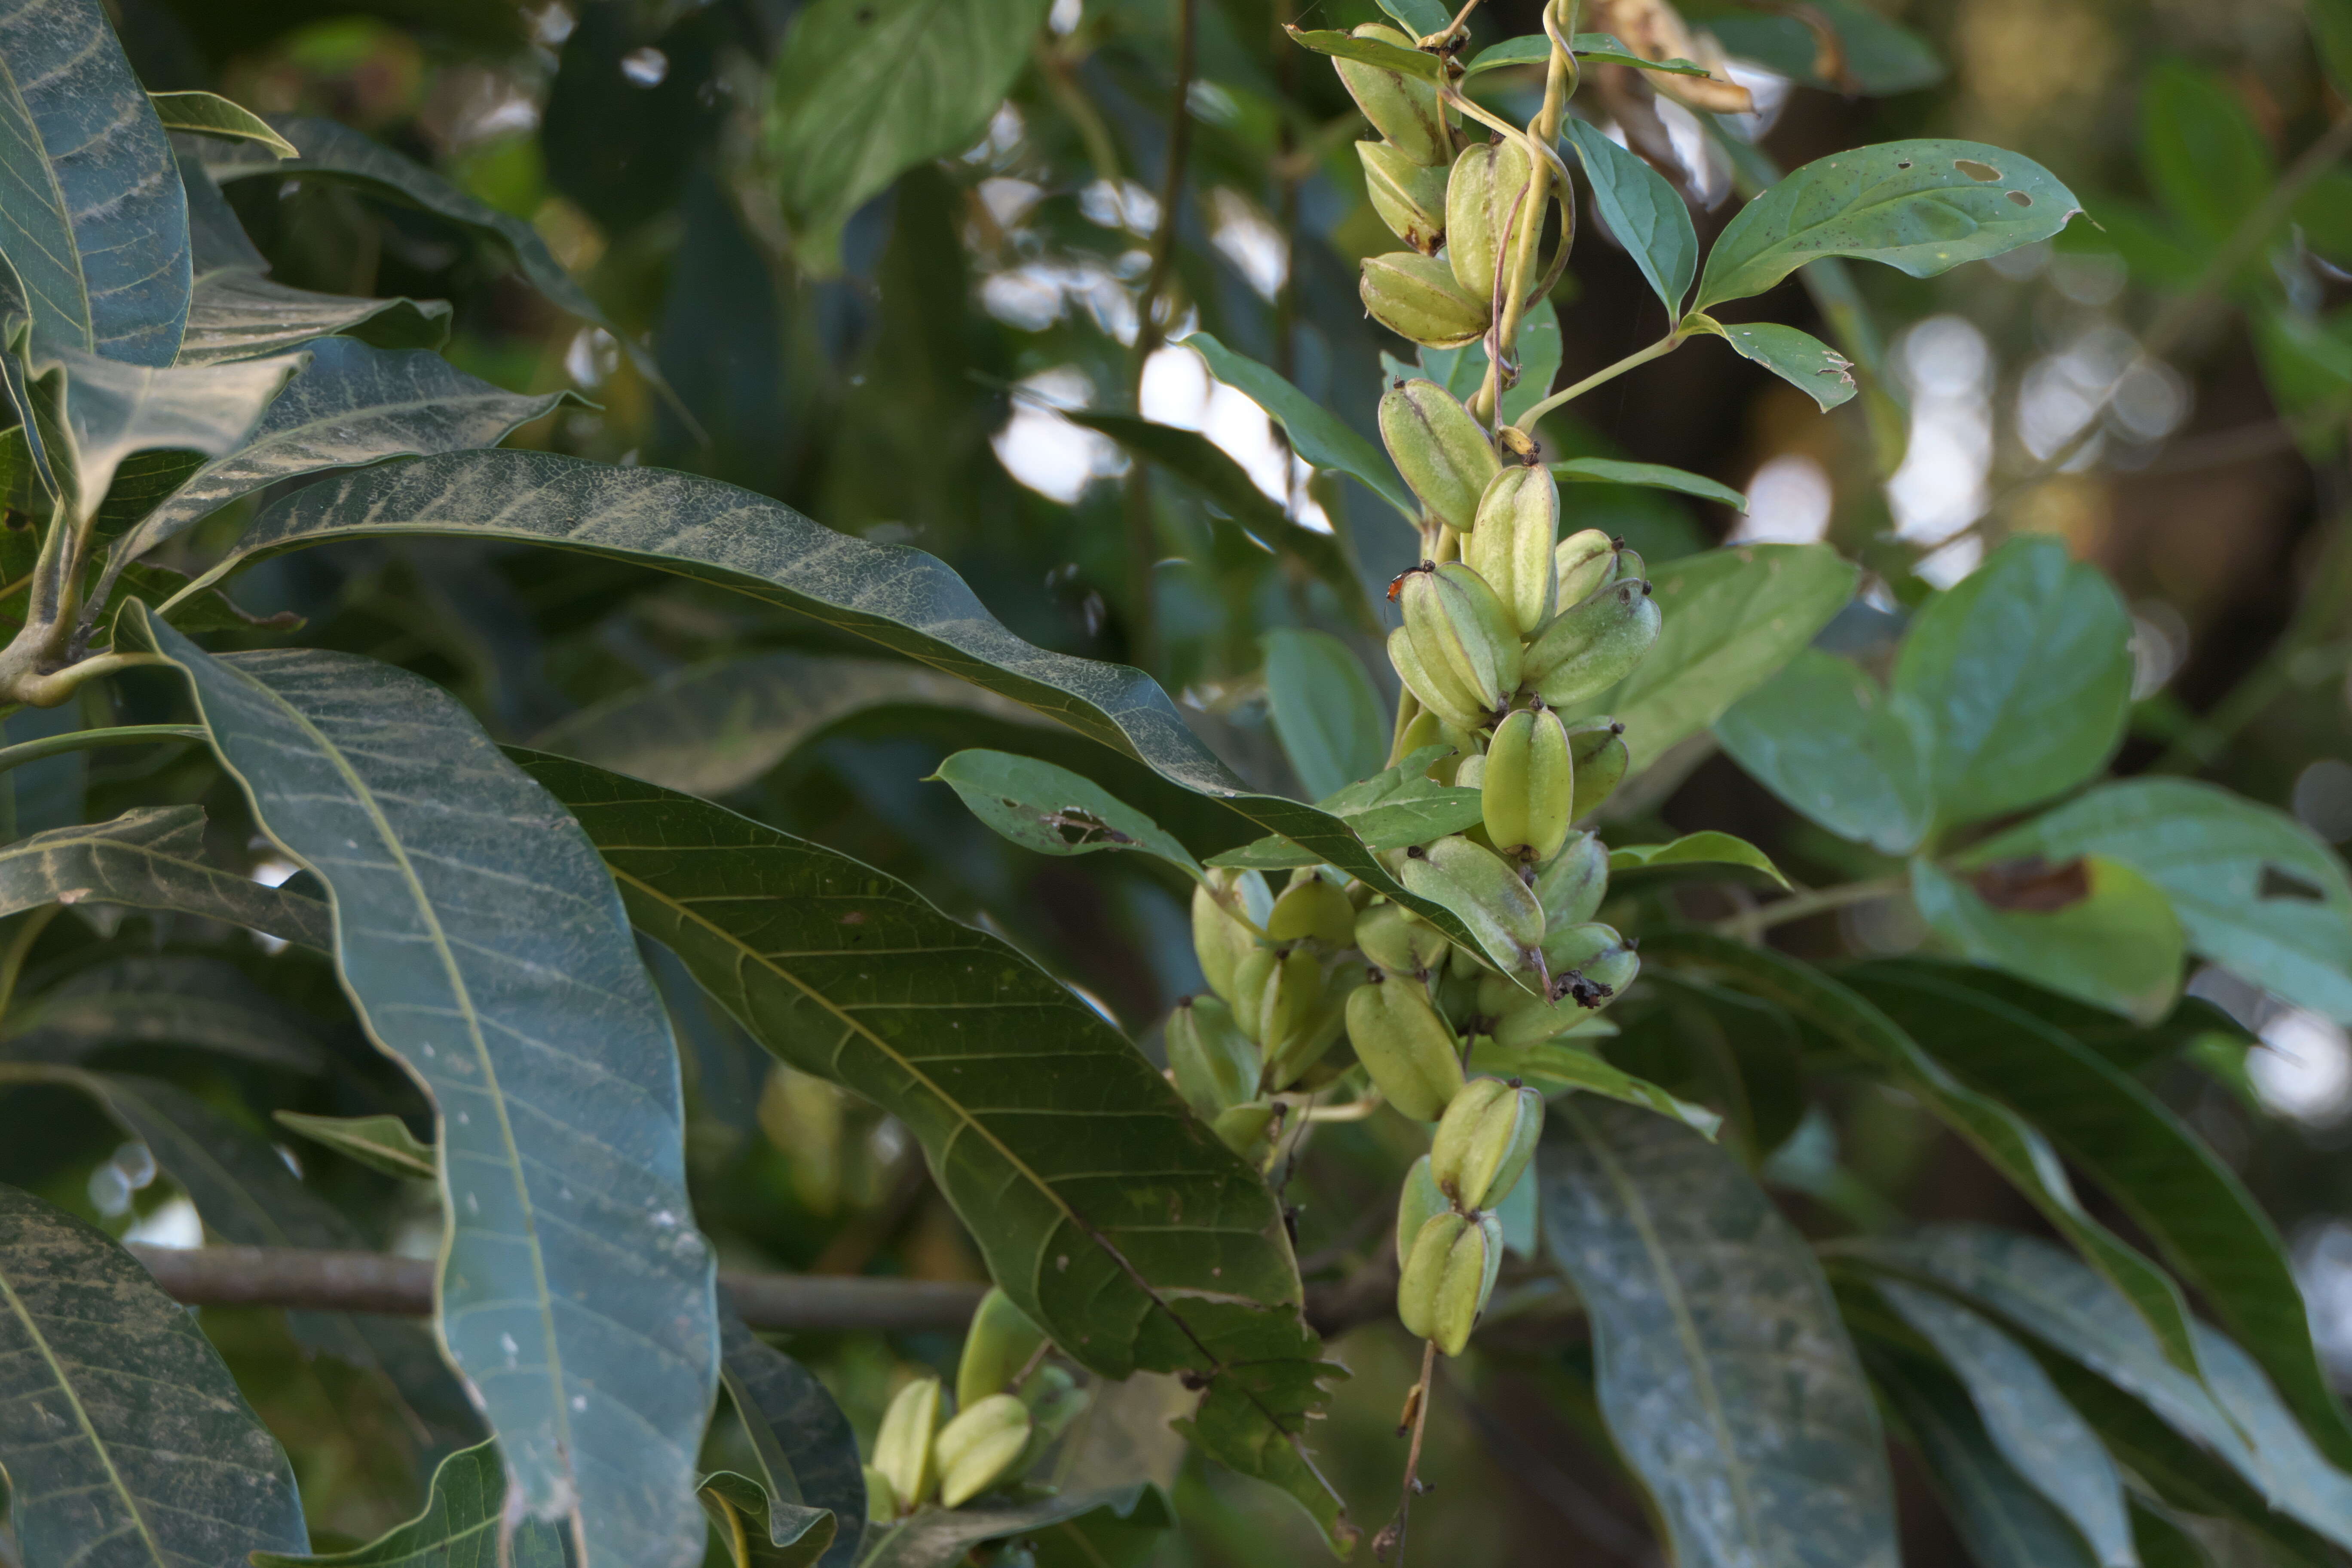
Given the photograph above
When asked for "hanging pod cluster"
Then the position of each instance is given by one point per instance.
(1008, 1406)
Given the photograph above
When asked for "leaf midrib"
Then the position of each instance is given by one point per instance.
(71, 264)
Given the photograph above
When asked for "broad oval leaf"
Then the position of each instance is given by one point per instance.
(1645, 214)
(124, 1439)
(761, 1530)
(1054, 811)
(1113, 1217)
(2255, 889)
(1332, 724)
(1319, 435)
(458, 1529)
(1824, 737)
(483, 945)
(1346, 46)
(91, 212)
(1800, 359)
(1725, 1373)
(2093, 928)
(153, 858)
(807, 1454)
(2020, 675)
(1919, 206)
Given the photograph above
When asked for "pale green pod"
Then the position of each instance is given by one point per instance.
(1462, 634)
(1219, 941)
(1571, 884)
(1317, 1034)
(1527, 792)
(1511, 547)
(881, 1497)
(1421, 1200)
(1439, 450)
(1416, 296)
(979, 1448)
(1315, 910)
(1447, 1278)
(1410, 197)
(1481, 889)
(1392, 937)
(1401, 107)
(1216, 1062)
(1590, 964)
(1597, 747)
(1441, 690)
(1482, 197)
(902, 1448)
(1000, 1342)
(1484, 1142)
(1592, 644)
(1242, 1127)
(1421, 1279)
(1582, 563)
(1629, 567)
(1404, 1045)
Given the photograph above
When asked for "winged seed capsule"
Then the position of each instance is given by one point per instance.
(1528, 790)
(1439, 448)
(1583, 562)
(1511, 546)
(1488, 183)
(999, 1344)
(1216, 1064)
(1416, 296)
(1409, 197)
(1446, 1279)
(1401, 108)
(1485, 1140)
(902, 1448)
(1404, 1045)
(979, 1448)
(1590, 646)
(1420, 1201)
(1597, 747)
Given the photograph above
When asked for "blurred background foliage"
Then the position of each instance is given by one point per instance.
(2166, 388)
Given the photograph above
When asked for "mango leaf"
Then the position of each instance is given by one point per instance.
(1732, 617)
(1209, 469)
(2003, 1521)
(1558, 1067)
(458, 1529)
(173, 999)
(2092, 929)
(122, 1426)
(380, 1142)
(2010, 1143)
(1645, 214)
(2254, 889)
(90, 211)
(1464, 370)
(808, 1460)
(482, 946)
(1346, 46)
(1055, 811)
(1725, 1374)
(2019, 676)
(1317, 435)
(899, 597)
(1825, 738)
(1800, 359)
(242, 315)
(1419, 18)
(941, 1538)
(1393, 808)
(1656, 476)
(757, 1530)
(2174, 1187)
(209, 114)
(2233, 1414)
(2045, 1441)
(152, 859)
(1333, 726)
(1110, 1215)
(865, 89)
(1921, 207)
(1596, 48)
(1707, 848)
(105, 410)
(351, 405)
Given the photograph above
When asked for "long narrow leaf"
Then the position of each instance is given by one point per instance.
(150, 859)
(458, 1529)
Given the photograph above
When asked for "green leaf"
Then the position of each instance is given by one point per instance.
(1346, 46)
(2124, 1045)
(1419, 18)
(91, 210)
(2020, 675)
(2003, 1521)
(122, 1426)
(1207, 468)
(458, 1529)
(1594, 49)
(1921, 207)
(1332, 724)
(1055, 811)
(380, 1142)
(1317, 435)
(169, 999)
(2200, 1217)
(1643, 211)
(2053, 1451)
(152, 859)
(1112, 1217)
(2010, 1145)
(941, 1538)
(1706, 849)
(2092, 929)
(1732, 617)
(240, 315)
(2254, 889)
(482, 946)
(899, 597)
(760, 1530)
(1464, 370)
(1725, 1374)
(1882, 57)
(2204, 157)
(209, 114)
(2233, 1414)
(1824, 737)
(1557, 1068)
(351, 405)
(1801, 359)
(1393, 808)
(807, 1455)
(2331, 32)
(865, 89)
(1656, 476)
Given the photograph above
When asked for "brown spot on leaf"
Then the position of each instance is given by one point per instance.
(2034, 886)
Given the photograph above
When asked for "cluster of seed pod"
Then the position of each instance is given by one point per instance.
(922, 1452)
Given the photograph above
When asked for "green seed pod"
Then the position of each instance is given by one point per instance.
(1472, 774)
(1401, 107)
(902, 1449)
(1591, 645)
(1630, 567)
(1463, 637)
(1396, 939)
(1481, 889)
(1485, 191)
(1419, 1202)
(1410, 197)
(1598, 748)
(881, 1497)
(1252, 978)
(1319, 1032)
(1518, 517)
(1404, 1045)
(1440, 690)
(1219, 941)
(1589, 964)
(979, 1448)
(1288, 999)
(1528, 788)
(1000, 1343)
(1215, 1063)
(1574, 882)
(1582, 563)
(1485, 1140)
(1447, 1277)
(1242, 1127)
(1312, 909)
(1439, 448)
(1416, 296)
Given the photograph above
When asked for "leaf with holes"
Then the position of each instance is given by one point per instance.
(1921, 207)
(1801, 359)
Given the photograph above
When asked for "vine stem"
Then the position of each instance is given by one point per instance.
(1658, 350)
(1748, 926)
(1393, 1536)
